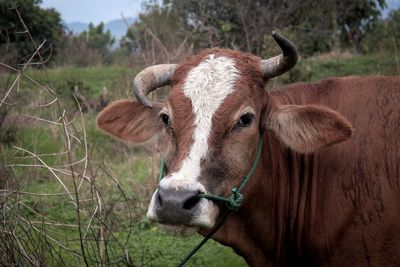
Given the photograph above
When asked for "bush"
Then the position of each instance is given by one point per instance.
(385, 36)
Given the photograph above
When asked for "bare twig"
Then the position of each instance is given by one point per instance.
(35, 231)
(49, 168)
(20, 73)
(32, 193)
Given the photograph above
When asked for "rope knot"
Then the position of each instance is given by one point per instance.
(235, 200)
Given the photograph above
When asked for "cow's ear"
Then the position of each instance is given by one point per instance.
(308, 128)
(129, 120)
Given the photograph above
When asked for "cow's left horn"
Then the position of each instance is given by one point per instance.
(278, 65)
(150, 79)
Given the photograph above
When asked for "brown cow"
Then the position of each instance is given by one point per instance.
(323, 194)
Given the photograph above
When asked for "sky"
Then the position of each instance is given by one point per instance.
(393, 4)
(95, 11)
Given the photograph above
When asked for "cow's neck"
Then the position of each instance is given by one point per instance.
(278, 203)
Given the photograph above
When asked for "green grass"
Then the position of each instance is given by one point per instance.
(163, 249)
(147, 246)
(358, 65)
(91, 80)
(314, 69)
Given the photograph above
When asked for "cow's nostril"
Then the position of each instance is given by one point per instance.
(176, 205)
(191, 203)
(159, 200)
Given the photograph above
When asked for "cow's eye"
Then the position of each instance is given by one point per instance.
(165, 119)
(244, 121)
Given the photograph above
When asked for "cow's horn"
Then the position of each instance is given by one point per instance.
(278, 65)
(150, 79)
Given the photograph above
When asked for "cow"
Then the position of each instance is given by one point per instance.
(326, 189)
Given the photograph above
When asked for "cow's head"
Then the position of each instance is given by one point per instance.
(210, 122)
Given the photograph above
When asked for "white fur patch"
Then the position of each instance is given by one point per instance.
(206, 85)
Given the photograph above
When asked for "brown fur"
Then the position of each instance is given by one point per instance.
(337, 205)
(129, 120)
(308, 128)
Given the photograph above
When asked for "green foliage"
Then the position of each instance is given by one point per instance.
(43, 24)
(355, 18)
(245, 25)
(230, 24)
(155, 36)
(384, 36)
(96, 38)
(313, 28)
(91, 47)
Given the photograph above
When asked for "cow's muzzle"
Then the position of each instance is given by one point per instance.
(176, 205)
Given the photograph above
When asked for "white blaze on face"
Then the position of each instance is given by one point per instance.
(206, 85)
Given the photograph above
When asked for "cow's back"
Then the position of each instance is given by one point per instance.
(355, 188)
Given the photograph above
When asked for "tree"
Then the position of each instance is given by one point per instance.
(246, 25)
(43, 25)
(355, 18)
(384, 36)
(156, 35)
(90, 47)
(97, 38)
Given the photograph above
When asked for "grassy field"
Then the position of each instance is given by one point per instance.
(56, 167)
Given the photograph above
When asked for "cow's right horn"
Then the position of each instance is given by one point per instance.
(150, 79)
(278, 65)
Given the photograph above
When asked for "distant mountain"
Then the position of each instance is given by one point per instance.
(117, 27)
(77, 27)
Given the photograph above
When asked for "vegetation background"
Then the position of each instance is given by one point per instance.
(71, 195)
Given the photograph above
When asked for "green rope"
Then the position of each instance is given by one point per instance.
(205, 239)
(162, 170)
(233, 202)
